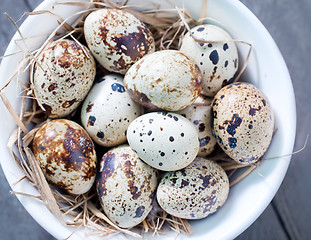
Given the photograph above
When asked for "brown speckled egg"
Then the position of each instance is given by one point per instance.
(199, 113)
(218, 60)
(243, 122)
(63, 75)
(163, 140)
(66, 155)
(126, 187)
(195, 191)
(117, 39)
(108, 110)
(165, 79)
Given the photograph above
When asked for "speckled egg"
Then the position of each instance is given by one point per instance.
(117, 39)
(66, 155)
(243, 122)
(218, 60)
(126, 187)
(195, 191)
(63, 75)
(166, 79)
(165, 141)
(108, 110)
(199, 113)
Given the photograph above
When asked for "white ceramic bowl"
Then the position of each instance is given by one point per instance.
(266, 69)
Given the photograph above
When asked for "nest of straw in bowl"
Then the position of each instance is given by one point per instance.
(168, 27)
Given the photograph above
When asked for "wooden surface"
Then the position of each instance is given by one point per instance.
(287, 217)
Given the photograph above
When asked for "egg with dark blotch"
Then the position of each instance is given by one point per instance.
(66, 155)
(63, 75)
(199, 113)
(126, 187)
(164, 140)
(117, 39)
(165, 79)
(108, 110)
(195, 191)
(243, 122)
(218, 60)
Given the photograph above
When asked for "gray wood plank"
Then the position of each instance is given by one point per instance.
(267, 226)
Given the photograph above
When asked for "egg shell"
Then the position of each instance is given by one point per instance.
(218, 61)
(63, 75)
(165, 79)
(126, 187)
(108, 110)
(243, 122)
(165, 141)
(199, 113)
(117, 39)
(195, 191)
(66, 155)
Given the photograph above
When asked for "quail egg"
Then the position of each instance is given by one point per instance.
(165, 141)
(126, 187)
(217, 60)
(165, 79)
(117, 39)
(66, 155)
(108, 110)
(243, 122)
(199, 113)
(195, 191)
(63, 75)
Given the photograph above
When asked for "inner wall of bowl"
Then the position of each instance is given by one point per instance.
(249, 198)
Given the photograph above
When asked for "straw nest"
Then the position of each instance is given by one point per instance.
(168, 27)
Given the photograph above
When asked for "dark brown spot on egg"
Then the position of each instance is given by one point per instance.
(69, 55)
(213, 74)
(206, 179)
(105, 173)
(141, 98)
(196, 80)
(233, 124)
(91, 121)
(48, 109)
(131, 179)
(52, 87)
(252, 111)
(201, 127)
(184, 183)
(204, 141)
(139, 212)
(68, 104)
(209, 202)
(136, 44)
(89, 107)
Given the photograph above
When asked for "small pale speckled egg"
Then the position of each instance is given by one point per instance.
(165, 141)
(63, 75)
(108, 110)
(199, 113)
(165, 79)
(117, 39)
(66, 155)
(195, 191)
(243, 122)
(218, 61)
(126, 187)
